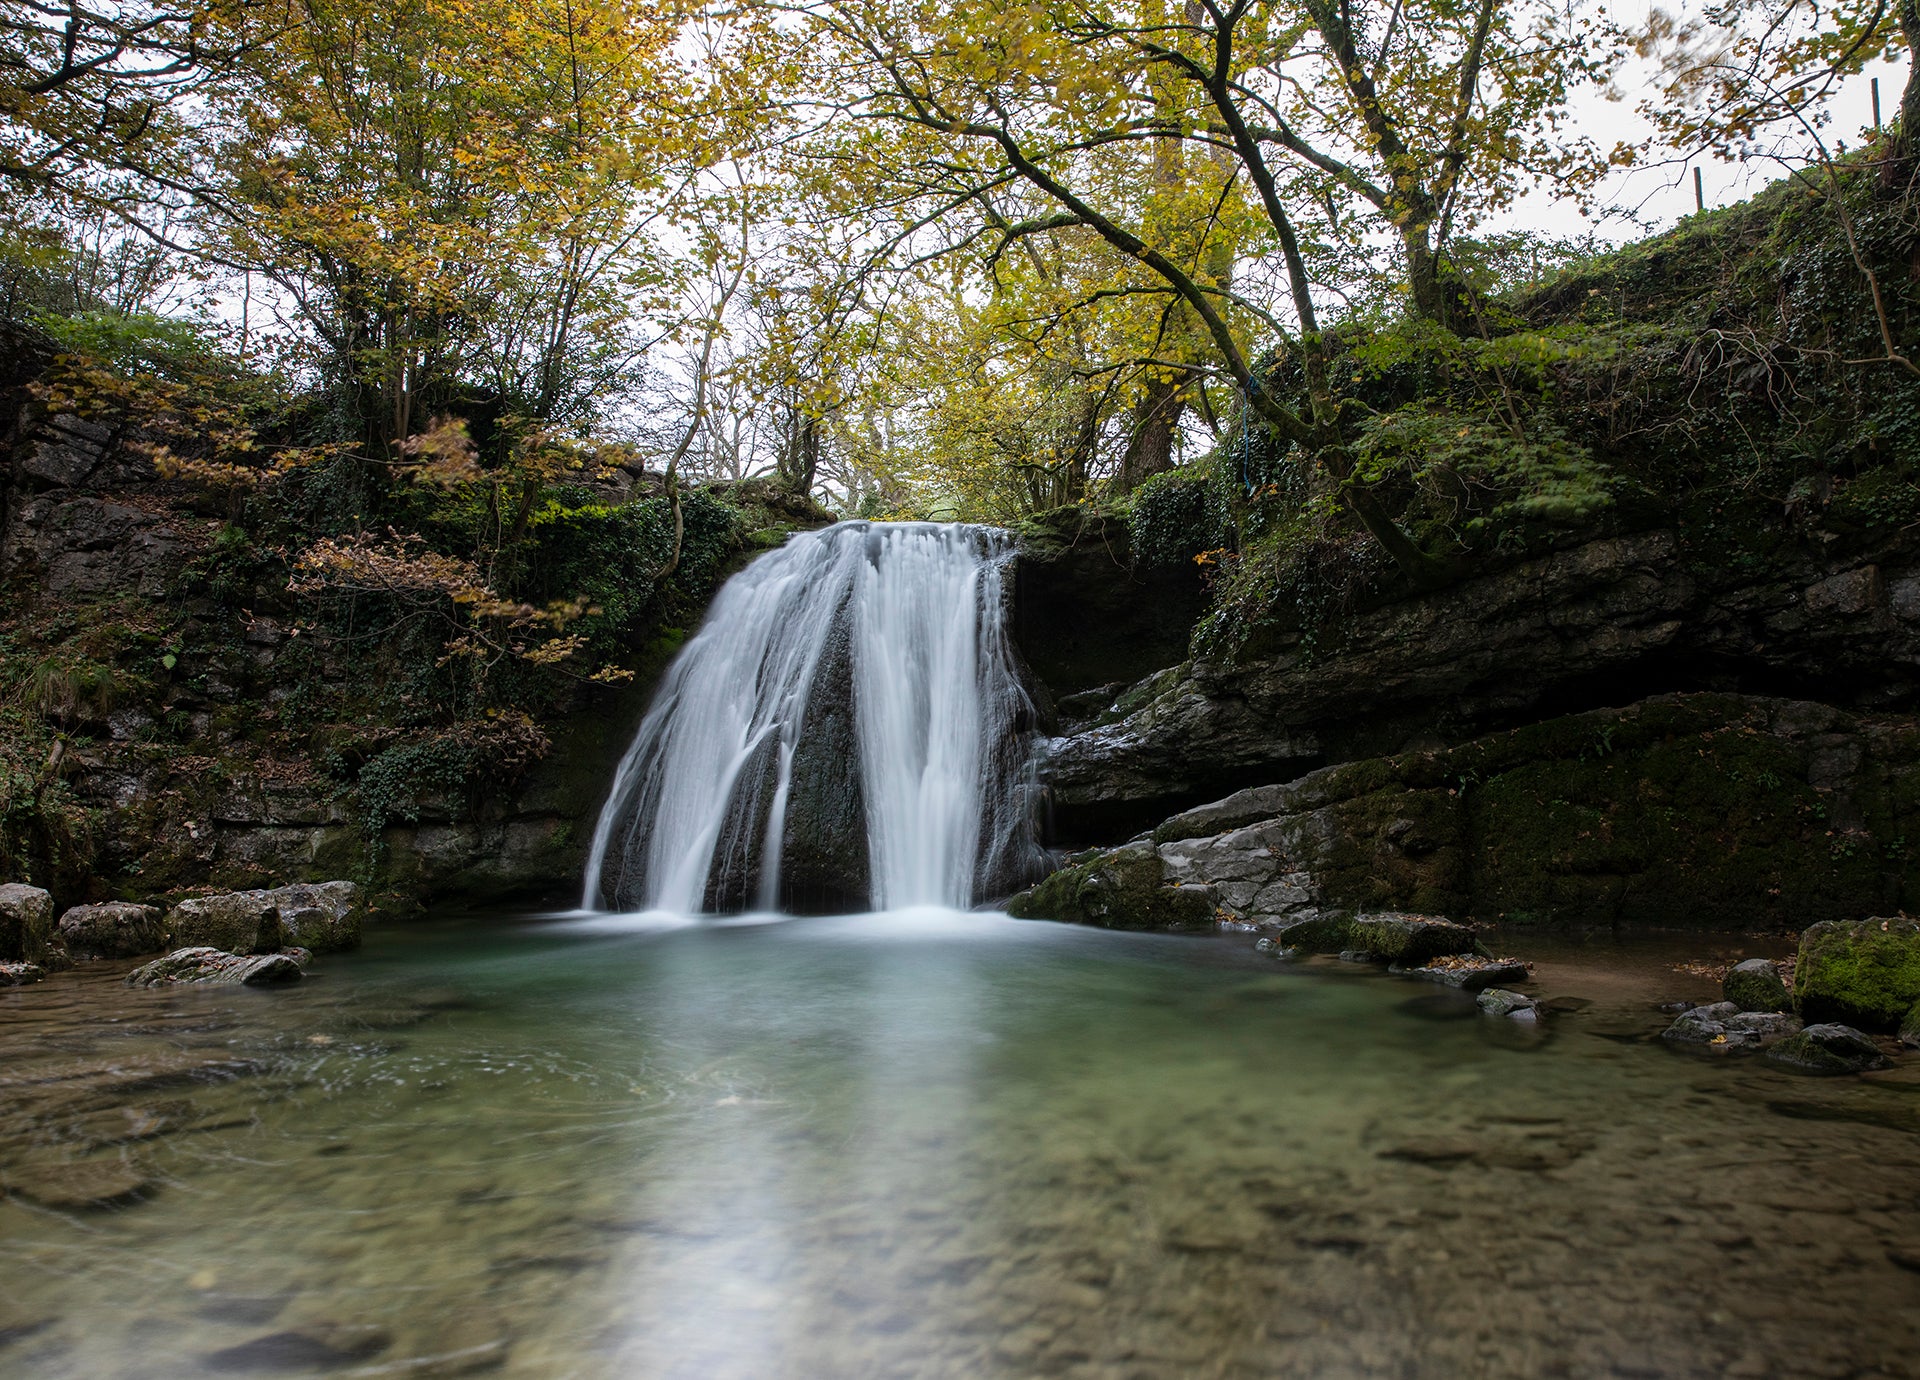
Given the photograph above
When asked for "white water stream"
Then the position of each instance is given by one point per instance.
(848, 728)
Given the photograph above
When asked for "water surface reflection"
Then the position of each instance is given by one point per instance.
(923, 1144)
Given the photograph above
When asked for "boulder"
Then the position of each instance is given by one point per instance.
(1409, 940)
(236, 922)
(26, 922)
(20, 974)
(1864, 973)
(1121, 889)
(116, 929)
(1723, 1025)
(1513, 1006)
(1755, 985)
(212, 966)
(1910, 1028)
(1322, 934)
(1468, 972)
(1829, 1048)
(324, 917)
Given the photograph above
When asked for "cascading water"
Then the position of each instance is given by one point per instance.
(847, 731)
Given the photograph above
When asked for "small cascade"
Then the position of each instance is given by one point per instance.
(847, 731)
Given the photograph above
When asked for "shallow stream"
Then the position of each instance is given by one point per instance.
(928, 1145)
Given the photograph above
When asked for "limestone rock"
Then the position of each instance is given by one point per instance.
(1121, 889)
(1410, 940)
(1829, 1048)
(1722, 1025)
(1755, 985)
(26, 922)
(115, 929)
(1861, 972)
(236, 922)
(324, 917)
(212, 966)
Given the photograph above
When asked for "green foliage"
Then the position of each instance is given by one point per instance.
(137, 343)
(1176, 517)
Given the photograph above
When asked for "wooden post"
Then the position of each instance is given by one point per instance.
(1876, 102)
(1699, 195)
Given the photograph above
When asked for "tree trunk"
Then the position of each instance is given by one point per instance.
(1430, 297)
(800, 457)
(1905, 143)
(1156, 421)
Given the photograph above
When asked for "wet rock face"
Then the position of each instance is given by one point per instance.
(26, 923)
(1795, 813)
(1084, 616)
(115, 929)
(1861, 972)
(1577, 628)
(824, 866)
(1829, 1048)
(212, 966)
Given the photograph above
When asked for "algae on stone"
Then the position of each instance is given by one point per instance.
(1859, 972)
(1123, 889)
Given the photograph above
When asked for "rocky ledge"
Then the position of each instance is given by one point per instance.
(1694, 811)
(289, 923)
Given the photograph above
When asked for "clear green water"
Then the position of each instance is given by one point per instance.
(927, 1146)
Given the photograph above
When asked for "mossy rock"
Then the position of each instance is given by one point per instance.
(1125, 889)
(1828, 1049)
(1859, 972)
(1755, 985)
(1409, 940)
(1323, 934)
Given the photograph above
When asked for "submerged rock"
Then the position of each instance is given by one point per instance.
(1410, 940)
(1755, 985)
(108, 1181)
(1123, 889)
(1859, 972)
(115, 929)
(318, 1346)
(211, 965)
(26, 922)
(1513, 1006)
(1829, 1048)
(1723, 1025)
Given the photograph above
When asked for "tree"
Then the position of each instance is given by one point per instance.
(1345, 125)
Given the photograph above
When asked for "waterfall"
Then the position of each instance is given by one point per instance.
(847, 731)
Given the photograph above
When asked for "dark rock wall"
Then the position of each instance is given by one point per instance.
(1602, 623)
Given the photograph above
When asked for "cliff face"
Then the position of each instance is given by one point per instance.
(1601, 623)
(172, 717)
